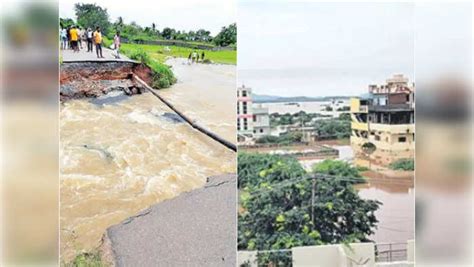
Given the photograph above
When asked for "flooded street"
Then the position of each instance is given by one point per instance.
(397, 214)
(119, 158)
(205, 93)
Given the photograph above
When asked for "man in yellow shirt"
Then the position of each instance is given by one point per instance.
(74, 37)
(98, 42)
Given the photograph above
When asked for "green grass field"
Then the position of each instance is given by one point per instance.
(158, 52)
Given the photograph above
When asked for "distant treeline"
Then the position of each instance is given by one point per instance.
(92, 15)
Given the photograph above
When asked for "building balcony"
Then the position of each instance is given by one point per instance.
(392, 128)
(362, 126)
(391, 107)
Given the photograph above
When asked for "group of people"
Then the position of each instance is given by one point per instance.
(73, 38)
(194, 57)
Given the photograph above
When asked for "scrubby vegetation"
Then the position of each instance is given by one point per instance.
(86, 259)
(403, 164)
(286, 139)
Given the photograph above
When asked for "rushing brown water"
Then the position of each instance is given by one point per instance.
(211, 101)
(118, 159)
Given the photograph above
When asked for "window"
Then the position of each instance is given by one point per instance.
(238, 108)
(244, 93)
(402, 139)
(377, 138)
(238, 124)
(245, 124)
(254, 118)
(261, 130)
(244, 108)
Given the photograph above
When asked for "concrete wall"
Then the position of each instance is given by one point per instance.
(355, 254)
(317, 256)
(340, 255)
(247, 257)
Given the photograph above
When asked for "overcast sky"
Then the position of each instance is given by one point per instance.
(186, 15)
(320, 49)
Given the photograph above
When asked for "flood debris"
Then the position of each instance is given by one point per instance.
(172, 117)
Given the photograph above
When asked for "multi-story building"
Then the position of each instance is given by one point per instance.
(385, 118)
(260, 120)
(244, 113)
(253, 120)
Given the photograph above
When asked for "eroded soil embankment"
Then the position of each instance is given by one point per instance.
(94, 79)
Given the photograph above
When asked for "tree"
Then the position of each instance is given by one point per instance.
(119, 24)
(166, 33)
(227, 36)
(66, 22)
(92, 15)
(280, 207)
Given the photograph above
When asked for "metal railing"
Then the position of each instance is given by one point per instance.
(389, 252)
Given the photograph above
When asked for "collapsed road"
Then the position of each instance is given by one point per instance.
(121, 154)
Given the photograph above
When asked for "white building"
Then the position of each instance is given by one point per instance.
(261, 121)
(253, 120)
(244, 114)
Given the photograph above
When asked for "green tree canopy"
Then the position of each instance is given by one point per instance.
(277, 210)
(92, 15)
(227, 36)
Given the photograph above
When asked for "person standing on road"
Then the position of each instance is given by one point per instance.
(89, 35)
(74, 38)
(68, 36)
(63, 38)
(189, 58)
(84, 36)
(79, 37)
(117, 44)
(202, 56)
(98, 42)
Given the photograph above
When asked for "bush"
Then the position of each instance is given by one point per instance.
(161, 83)
(340, 169)
(285, 139)
(163, 77)
(403, 164)
(140, 55)
(87, 260)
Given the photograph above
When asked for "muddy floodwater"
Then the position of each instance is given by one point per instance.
(397, 214)
(121, 156)
(206, 93)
